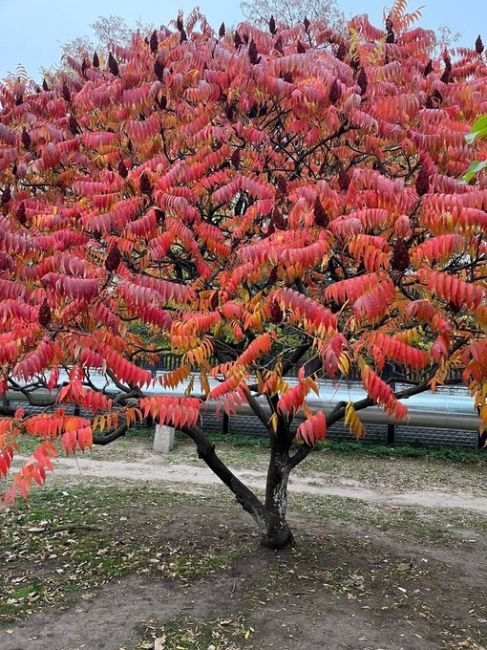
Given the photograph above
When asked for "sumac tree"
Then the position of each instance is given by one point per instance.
(254, 201)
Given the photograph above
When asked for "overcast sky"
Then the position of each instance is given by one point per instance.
(32, 30)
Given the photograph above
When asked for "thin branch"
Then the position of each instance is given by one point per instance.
(339, 412)
(120, 431)
(257, 409)
(120, 386)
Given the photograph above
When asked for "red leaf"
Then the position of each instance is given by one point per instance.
(313, 429)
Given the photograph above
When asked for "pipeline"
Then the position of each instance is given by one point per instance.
(447, 408)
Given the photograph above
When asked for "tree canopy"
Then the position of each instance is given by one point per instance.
(254, 200)
(290, 12)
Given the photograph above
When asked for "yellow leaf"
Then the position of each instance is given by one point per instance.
(205, 384)
(218, 329)
(353, 422)
(307, 411)
(189, 388)
(274, 421)
(245, 294)
(313, 386)
(344, 363)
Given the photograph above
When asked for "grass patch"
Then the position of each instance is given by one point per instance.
(77, 539)
(141, 432)
(451, 454)
(235, 439)
(447, 453)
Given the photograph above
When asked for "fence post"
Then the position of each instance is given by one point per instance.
(387, 375)
(163, 439)
(225, 422)
(391, 432)
(482, 441)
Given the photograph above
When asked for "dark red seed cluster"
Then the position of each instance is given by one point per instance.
(44, 314)
(400, 256)
(112, 260)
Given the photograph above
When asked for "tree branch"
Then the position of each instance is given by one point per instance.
(120, 431)
(130, 390)
(245, 497)
(257, 409)
(339, 412)
(295, 357)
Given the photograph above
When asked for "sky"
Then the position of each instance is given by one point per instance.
(34, 29)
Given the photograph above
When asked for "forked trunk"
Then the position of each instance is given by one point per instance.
(270, 516)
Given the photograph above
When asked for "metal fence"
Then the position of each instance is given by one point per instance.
(170, 361)
(432, 434)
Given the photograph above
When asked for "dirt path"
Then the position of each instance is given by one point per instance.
(157, 469)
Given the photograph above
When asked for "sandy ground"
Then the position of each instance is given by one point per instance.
(157, 468)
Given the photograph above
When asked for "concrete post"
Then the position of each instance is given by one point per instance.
(163, 439)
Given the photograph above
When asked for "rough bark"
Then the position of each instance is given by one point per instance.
(277, 534)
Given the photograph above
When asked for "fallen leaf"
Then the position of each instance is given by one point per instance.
(160, 643)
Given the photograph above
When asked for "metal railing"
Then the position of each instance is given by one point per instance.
(170, 361)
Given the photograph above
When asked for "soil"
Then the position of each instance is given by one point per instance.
(346, 585)
(349, 590)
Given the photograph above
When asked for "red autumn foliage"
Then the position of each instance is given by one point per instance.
(216, 193)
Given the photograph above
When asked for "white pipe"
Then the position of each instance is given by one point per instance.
(447, 408)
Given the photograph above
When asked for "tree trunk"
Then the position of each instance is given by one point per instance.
(270, 516)
(277, 533)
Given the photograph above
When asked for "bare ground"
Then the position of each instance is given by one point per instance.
(374, 568)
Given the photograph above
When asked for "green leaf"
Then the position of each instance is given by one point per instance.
(480, 124)
(479, 129)
(475, 167)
